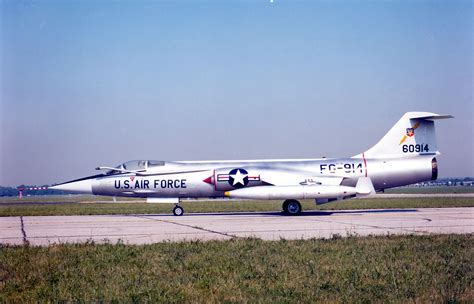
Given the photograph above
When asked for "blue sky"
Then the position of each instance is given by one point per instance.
(88, 83)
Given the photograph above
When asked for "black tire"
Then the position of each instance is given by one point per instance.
(292, 207)
(178, 211)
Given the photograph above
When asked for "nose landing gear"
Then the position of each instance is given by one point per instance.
(178, 210)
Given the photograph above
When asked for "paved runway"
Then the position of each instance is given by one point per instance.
(145, 229)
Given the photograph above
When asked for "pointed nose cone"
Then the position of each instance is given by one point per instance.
(82, 186)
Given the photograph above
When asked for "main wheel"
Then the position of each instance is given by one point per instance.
(178, 210)
(292, 207)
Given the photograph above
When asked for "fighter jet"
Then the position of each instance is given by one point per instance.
(405, 155)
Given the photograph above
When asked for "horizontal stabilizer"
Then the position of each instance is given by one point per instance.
(432, 117)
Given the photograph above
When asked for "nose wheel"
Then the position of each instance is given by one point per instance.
(178, 210)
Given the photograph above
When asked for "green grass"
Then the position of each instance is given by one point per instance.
(369, 269)
(226, 206)
(66, 198)
(431, 190)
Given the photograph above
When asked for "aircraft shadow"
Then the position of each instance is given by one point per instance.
(280, 213)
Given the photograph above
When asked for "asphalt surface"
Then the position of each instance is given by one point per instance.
(146, 229)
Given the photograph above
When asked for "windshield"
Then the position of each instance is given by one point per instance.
(155, 163)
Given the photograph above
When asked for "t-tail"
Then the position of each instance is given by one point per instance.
(413, 134)
(406, 154)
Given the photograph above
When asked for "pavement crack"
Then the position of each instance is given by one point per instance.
(23, 232)
(363, 225)
(190, 226)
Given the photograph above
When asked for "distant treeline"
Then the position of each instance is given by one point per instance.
(456, 179)
(10, 191)
(461, 181)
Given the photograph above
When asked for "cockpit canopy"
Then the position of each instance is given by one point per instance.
(137, 165)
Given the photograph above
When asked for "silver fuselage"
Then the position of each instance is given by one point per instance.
(207, 179)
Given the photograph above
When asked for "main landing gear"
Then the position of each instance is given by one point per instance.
(178, 210)
(292, 207)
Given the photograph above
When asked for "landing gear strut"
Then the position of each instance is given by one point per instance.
(292, 207)
(178, 210)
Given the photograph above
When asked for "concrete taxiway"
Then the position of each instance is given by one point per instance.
(145, 229)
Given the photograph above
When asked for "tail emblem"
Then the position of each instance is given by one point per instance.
(410, 133)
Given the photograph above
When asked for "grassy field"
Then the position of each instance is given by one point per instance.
(369, 269)
(431, 190)
(72, 198)
(20, 209)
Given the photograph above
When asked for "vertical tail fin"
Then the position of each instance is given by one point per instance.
(413, 134)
